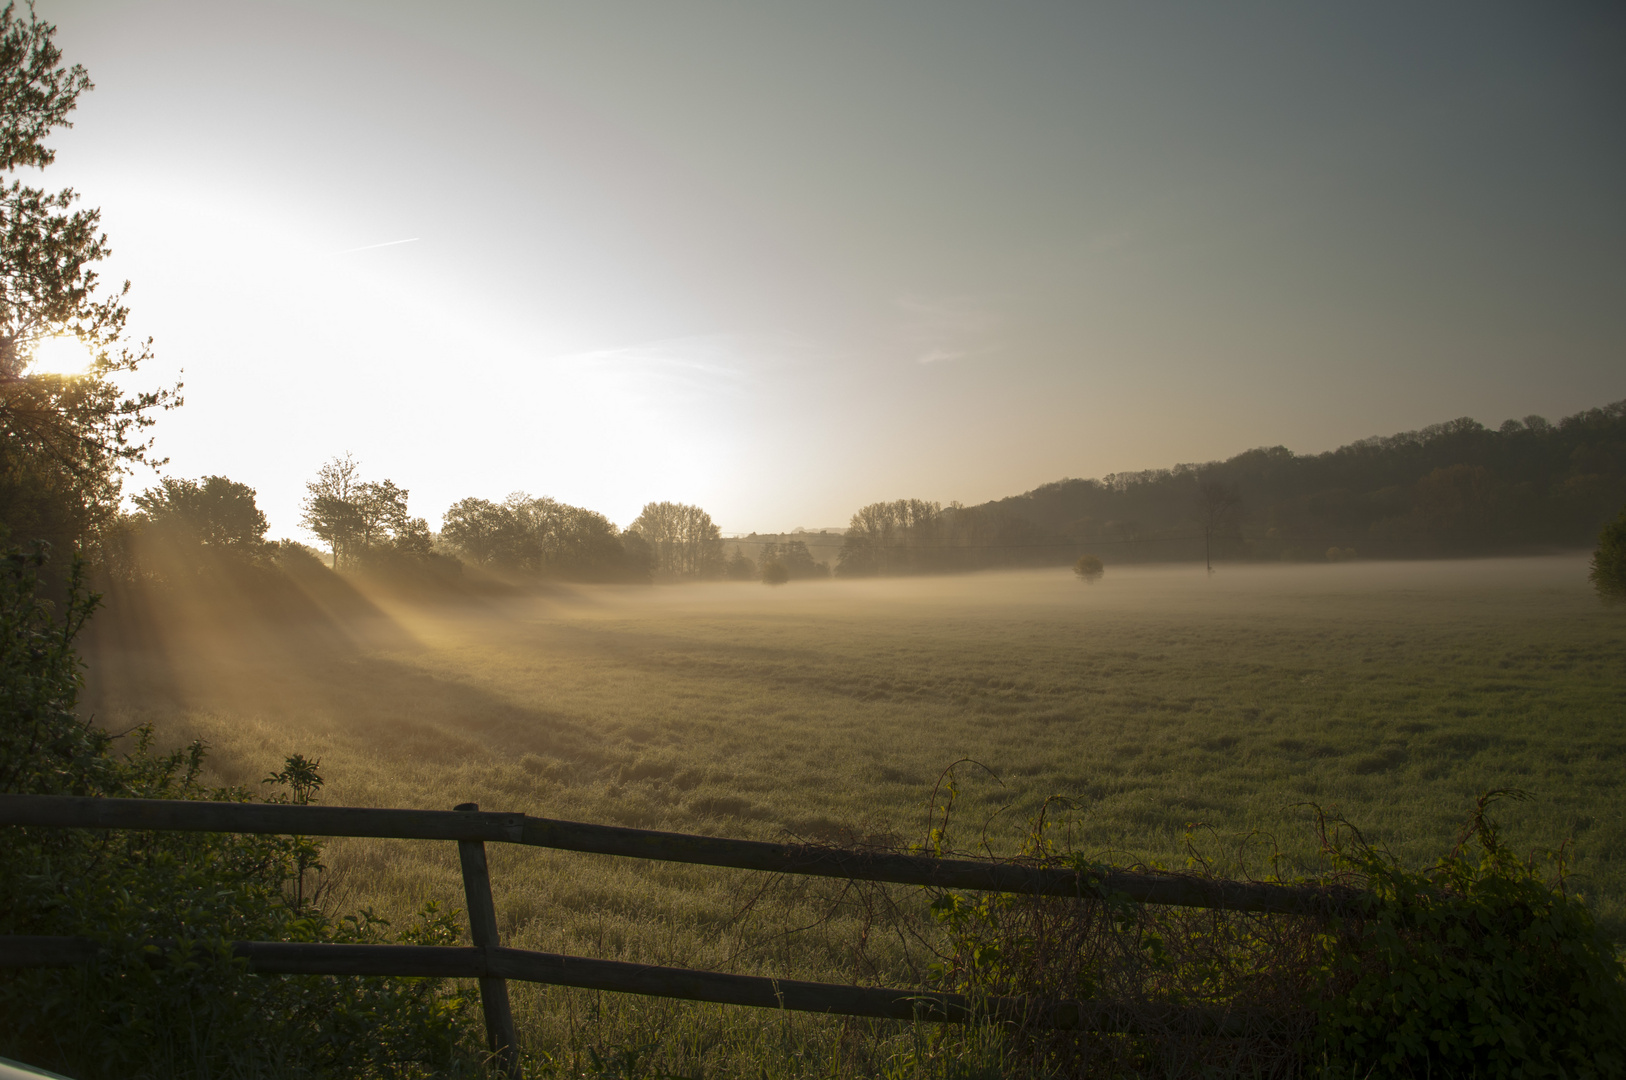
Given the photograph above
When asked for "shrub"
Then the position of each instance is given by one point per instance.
(1089, 569)
(774, 572)
(1609, 561)
(1476, 966)
(199, 1013)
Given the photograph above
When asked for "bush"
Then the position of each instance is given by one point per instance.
(774, 572)
(1476, 966)
(1089, 569)
(199, 1013)
(1609, 561)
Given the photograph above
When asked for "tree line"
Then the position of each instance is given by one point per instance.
(368, 529)
(1452, 489)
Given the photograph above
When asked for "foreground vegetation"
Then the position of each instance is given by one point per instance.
(1393, 694)
(195, 1015)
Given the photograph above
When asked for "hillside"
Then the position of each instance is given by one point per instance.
(1451, 489)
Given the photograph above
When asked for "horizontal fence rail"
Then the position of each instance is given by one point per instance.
(493, 964)
(553, 969)
(810, 859)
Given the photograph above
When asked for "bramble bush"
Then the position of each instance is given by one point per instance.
(194, 1012)
(1477, 966)
(1481, 965)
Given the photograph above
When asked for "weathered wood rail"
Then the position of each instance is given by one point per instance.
(492, 964)
(554, 969)
(814, 859)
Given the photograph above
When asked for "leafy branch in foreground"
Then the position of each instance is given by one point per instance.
(65, 440)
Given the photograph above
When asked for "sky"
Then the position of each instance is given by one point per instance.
(783, 260)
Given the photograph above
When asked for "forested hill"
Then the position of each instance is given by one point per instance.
(1457, 488)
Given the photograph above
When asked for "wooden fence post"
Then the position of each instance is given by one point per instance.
(500, 1036)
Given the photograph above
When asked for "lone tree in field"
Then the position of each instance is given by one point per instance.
(1219, 510)
(1089, 569)
(1609, 561)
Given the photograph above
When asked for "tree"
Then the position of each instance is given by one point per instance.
(380, 514)
(1456, 506)
(904, 536)
(328, 511)
(739, 566)
(544, 537)
(356, 516)
(1609, 561)
(479, 529)
(66, 442)
(686, 542)
(1219, 510)
(214, 512)
(794, 559)
(1089, 569)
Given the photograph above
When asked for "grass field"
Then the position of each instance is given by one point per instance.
(1393, 693)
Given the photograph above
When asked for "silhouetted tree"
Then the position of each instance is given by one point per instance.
(1219, 511)
(890, 538)
(359, 517)
(687, 544)
(739, 566)
(482, 531)
(639, 555)
(544, 537)
(794, 557)
(65, 441)
(213, 512)
(380, 514)
(329, 511)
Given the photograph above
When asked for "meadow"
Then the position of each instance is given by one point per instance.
(1157, 699)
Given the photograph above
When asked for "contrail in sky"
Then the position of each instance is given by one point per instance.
(369, 247)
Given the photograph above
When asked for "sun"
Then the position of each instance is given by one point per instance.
(60, 355)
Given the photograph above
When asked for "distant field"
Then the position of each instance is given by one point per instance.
(1393, 693)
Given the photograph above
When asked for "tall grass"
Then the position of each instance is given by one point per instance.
(1155, 699)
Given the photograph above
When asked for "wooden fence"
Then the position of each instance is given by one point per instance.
(493, 964)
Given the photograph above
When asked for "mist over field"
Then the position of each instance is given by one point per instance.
(1159, 696)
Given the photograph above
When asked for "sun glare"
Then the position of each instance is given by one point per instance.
(60, 356)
